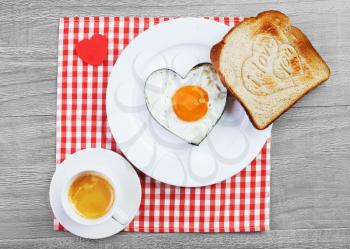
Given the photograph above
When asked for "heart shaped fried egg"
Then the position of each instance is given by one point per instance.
(188, 107)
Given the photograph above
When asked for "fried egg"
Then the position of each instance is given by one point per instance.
(188, 107)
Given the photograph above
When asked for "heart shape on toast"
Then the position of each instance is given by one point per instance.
(94, 50)
(189, 106)
(271, 67)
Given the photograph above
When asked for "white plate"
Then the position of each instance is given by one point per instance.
(177, 44)
(109, 163)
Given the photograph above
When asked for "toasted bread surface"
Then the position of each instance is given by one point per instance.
(268, 65)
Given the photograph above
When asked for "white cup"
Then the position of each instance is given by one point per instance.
(114, 212)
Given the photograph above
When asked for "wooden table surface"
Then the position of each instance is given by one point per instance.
(310, 181)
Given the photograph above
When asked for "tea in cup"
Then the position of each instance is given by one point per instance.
(90, 198)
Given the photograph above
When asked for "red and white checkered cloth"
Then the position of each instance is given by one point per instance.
(240, 204)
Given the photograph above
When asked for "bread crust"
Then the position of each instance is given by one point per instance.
(215, 56)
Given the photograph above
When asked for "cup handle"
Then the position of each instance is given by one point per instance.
(120, 216)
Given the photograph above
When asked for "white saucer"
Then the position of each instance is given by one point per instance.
(114, 166)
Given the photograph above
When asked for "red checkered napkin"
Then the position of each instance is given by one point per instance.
(240, 204)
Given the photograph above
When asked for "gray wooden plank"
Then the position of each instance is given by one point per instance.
(310, 180)
(310, 174)
(321, 238)
(28, 81)
(27, 161)
(21, 23)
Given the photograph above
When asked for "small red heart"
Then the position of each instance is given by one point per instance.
(94, 50)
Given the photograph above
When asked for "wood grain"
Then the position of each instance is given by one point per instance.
(310, 181)
(322, 238)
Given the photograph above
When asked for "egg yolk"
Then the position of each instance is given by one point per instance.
(190, 103)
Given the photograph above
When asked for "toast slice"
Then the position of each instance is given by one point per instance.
(268, 65)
